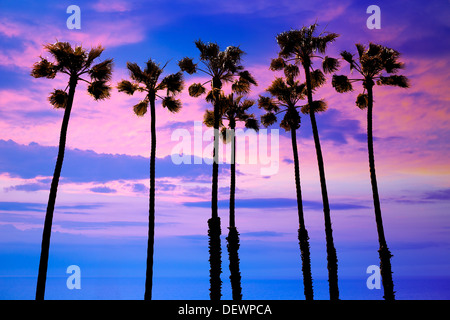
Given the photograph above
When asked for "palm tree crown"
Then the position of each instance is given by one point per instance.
(372, 62)
(232, 109)
(76, 63)
(286, 92)
(221, 66)
(301, 47)
(147, 80)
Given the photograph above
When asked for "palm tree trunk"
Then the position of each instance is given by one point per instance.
(384, 253)
(331, 250)
(303, 237)
(233, 175)
(45, 246)
(233, 234)
(151, 216)
(214, 231)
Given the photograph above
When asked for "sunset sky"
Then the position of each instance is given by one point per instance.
(101, 214)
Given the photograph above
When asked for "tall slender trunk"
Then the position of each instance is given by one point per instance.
(215, 250)
(331, 250)
(233, 234)
(303, 237)
(384, 253)
(45, 246)
(151, 216)
(233, 174)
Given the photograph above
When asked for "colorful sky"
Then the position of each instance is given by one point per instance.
(100, 221)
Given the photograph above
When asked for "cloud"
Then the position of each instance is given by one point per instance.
(103, 190)
(139, 188)
(29, 187)
(111, 6)
(33, 160)
(271, 203)
(40, 207)
(264, 234)
(443, 194)
(31, 37)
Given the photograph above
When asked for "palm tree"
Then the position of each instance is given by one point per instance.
(222, 67)
(76, 63)
(147, 81)
(286, 93)
(303, 46)
(233, 110)
(371, 64)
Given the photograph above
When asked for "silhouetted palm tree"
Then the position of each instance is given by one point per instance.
(220, 66)
(286, 93)
(371, 64)
(233, 109)
(303, 46)
(76, 63)
(147, 81)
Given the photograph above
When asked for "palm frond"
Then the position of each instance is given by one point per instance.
(267, 104)
(289, 41)
(174, 83)
(362, 101)
(291, 120)
(240, 87)
(317, 106)
(341, 83)
(233, 55)
(279, 89)
(196, 90)
(140, 109)
(291, 71)
(347, 56)
(330, 65)
(317, 78)
(58, 99)
(300, 90)
(394, 80)
(99, 90)
(172, 104)
(252, 123)
(152, 69)
(102, 71)
(277, 64)
(360, 48)
(226, 134)
(208, 119)
(44, 69)
(374, 49)
(246, 76)
(322, 42)
(136, 73)
(268, 119)
(63, 54)
(211, 95)
(93, 54)
(247, 104)
(127, 87)
(208, 51)
(187, 65)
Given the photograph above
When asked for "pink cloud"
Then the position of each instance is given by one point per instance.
(107, 33)
(111, 6)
